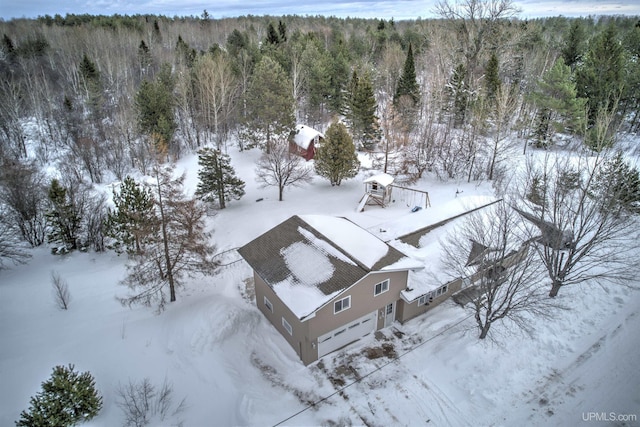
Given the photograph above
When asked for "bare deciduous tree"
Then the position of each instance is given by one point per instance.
(503, 113)
(11, 248)
(476, 22)
(24, 194)
(143, 403)
(500, 266)
(61, 294)
(582, 235)
(177, 245)
(217, 90)
(281, 168)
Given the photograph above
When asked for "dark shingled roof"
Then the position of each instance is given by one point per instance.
(264, 255)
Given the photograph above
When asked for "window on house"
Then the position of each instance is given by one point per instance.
(441, 290)
(381, 287)
(422, 300)
(341, 305)
(287, 326)
(268, 304)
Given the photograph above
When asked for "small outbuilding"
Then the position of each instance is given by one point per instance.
(377, 191)
(304, 141)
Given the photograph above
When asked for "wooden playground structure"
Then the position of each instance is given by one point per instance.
(378, 190)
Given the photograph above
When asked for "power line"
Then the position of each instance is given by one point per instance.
(396, 358)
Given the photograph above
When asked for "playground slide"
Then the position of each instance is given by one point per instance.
(363, 202)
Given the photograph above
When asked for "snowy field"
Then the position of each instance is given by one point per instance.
(234, 368)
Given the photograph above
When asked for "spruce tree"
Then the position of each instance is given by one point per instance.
(282, 31)
(458, 92)
(270, 104)
(408, 85)
(618, 186)
(8, 46)
(185, 53)
(573, 48)
(144, 57)
(63, 218)
(363, 106)
(154, 104)
(272, 35)
(218, 180)
(601, 78)
(66, 399)
(317, 63)
(336, 158)
(93, 87)
(492, 77)
(559, 107)
(338, 66)
(133, 218)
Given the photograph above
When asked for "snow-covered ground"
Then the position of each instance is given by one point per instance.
(234, 368)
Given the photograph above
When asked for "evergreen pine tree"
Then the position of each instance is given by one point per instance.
(144, 57)
(559, 107)
(185, 53)
(8, 47)
(218, 180)
(272, 35)
(601, 78)
(154, 104)
(408, 85)
(349, 97)
(270, 104)
(338, 67)
(618, 185)
(66, 399)
(492, 78)
(282, 31)
(318, 64)
(458, 95)
(574, 44)
(133, 218)
(363, 113)
(93, 86)
(63, 219)
(336, 158)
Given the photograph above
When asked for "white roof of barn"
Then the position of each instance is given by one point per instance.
(383, 179)
(304, 136)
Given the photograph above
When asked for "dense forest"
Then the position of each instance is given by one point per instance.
(99, 98)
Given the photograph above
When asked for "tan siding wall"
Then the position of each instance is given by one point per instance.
(363, 302)
(298, 340)
(409, 311)
(305, 334)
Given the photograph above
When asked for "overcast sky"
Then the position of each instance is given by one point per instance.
(397, 9)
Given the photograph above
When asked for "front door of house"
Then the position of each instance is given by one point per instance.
(389, 314)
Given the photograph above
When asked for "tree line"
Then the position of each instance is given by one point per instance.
(101, 98)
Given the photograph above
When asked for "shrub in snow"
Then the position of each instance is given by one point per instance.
(66, 399)
(143, 404)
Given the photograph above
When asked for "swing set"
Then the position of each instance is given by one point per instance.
(378, 191)
(413, 198)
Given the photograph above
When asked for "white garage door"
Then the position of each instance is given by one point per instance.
(346, 334)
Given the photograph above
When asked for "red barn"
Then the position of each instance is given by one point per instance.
(304, 141)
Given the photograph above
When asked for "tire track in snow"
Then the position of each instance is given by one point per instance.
(553, 388)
